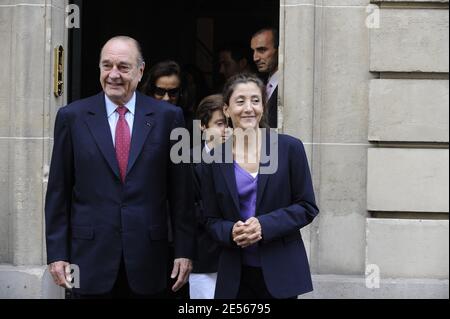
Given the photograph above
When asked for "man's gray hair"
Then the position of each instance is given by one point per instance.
(140, 59)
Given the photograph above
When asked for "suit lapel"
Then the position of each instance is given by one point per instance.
(230, 179)
(97, 122)
(142, 126)
(263, 178)
(227, 170)
(262, 183)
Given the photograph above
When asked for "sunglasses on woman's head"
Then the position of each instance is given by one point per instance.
(162, 92)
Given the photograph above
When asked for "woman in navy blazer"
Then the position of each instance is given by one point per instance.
(256, 208)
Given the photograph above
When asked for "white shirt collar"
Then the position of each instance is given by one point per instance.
(111, 106)
(207, 149)
(274, 79)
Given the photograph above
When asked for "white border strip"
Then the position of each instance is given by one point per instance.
(321, 6)
(26, 138)
(51, 138)
(338, 144)
(390, 5)
(24, 5)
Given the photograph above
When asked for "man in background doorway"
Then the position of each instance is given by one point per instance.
(233, 59)
(264, 44)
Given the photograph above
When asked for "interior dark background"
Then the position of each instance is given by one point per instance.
(166, 30)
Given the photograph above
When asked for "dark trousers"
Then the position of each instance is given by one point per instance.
(252, 284)
(121, 289)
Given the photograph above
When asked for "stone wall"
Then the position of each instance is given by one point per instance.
(28, 33)
(366, 88)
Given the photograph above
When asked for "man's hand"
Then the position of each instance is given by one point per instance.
(61, 273)
(182, 267)
(248, 233)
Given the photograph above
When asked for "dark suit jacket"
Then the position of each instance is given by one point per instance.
(92, 218)
(285, 203)
(272, 109)
(207, 250)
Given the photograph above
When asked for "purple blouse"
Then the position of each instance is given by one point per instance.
(247, 187)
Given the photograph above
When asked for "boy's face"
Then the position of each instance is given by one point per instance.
(217, 126)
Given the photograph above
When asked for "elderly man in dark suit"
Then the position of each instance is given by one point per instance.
(110, 179)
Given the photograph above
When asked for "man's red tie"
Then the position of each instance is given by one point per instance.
(123, 138)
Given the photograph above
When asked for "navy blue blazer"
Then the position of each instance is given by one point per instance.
(93, 219)
(207, 249)
(285, 204)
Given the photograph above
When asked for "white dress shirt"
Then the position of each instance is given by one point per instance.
(272, 84)
(207, 149)
(113, 116)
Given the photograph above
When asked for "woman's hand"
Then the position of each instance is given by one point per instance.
(238, 230)
(248, 233)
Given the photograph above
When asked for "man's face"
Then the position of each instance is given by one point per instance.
(120, 71)
(265, 54)
(228, 67)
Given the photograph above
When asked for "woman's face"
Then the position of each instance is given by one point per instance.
(167, 89)
(246, 106)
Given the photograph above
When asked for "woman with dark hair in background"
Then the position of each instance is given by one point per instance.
(164, 82)
(167, 82)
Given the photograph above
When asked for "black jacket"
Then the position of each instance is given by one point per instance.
(207, 250)
(272, 107)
